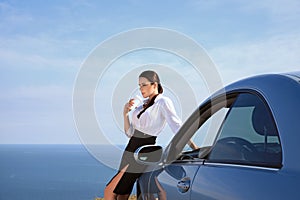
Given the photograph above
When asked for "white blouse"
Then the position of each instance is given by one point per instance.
(153, 120)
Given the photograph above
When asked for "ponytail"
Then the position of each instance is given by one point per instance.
(160, 88)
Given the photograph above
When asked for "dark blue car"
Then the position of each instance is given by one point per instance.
(248, 136)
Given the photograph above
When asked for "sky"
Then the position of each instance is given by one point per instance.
(43, 46)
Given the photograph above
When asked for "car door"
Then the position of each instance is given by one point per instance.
(175, 180)
(245, 160)
(239, 155)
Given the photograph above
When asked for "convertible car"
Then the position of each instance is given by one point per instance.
(248, 135)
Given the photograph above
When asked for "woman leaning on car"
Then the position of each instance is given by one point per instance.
(147, 122)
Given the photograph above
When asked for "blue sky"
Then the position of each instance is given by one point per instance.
(43, 45)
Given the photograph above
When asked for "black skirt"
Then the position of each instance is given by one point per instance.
(134, 169)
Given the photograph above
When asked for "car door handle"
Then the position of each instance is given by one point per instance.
(184, 184)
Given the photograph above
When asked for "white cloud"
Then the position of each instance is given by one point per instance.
(276, 54)
(11, 16)
(33, 53)
(46, 93)
(279, 9)
(37, 114)
(276, 10)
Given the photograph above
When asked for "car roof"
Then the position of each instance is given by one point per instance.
(282, 95)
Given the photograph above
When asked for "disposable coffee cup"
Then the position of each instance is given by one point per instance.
(137, 101)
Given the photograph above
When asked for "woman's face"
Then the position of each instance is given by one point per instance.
(147, 88)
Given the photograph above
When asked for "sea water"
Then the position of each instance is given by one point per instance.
(56, 172)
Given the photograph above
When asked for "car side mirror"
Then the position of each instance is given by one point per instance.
(148, 154)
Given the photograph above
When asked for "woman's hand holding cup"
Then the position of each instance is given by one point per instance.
(128, 106)
(132, 103)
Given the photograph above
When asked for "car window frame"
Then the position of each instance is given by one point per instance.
(196, 119)
(256, 165)
(187, 131)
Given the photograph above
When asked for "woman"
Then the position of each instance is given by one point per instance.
(147, 123)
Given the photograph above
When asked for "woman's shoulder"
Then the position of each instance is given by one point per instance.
(163, 99)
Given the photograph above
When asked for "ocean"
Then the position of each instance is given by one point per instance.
(56, 172)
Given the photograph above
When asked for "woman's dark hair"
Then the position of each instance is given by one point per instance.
(152, 76)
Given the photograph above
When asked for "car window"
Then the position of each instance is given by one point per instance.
(202, 128)
(207, 132)
(248, 135)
